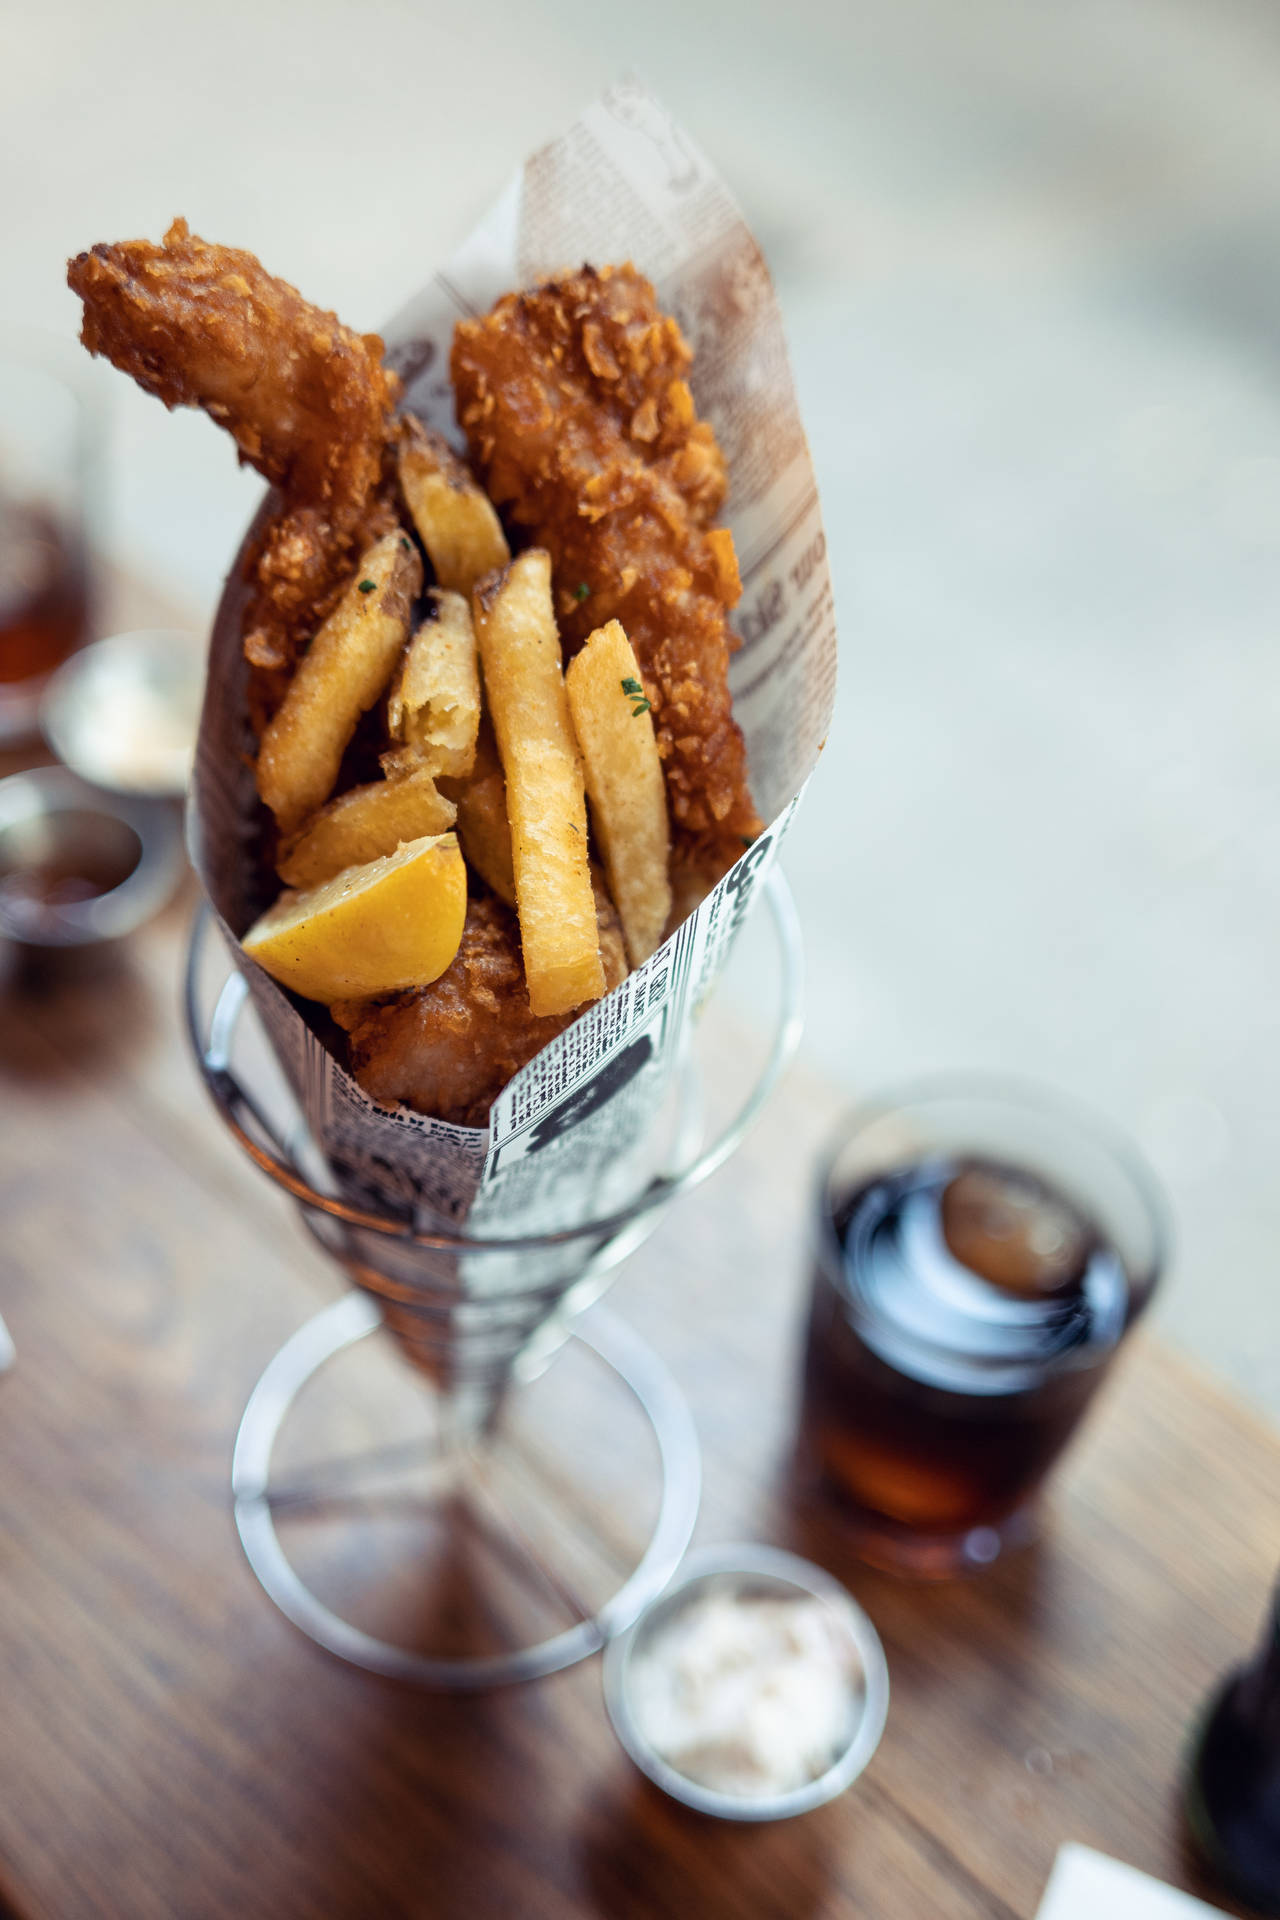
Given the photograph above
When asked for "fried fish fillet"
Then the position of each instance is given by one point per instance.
(450, 1048)
(575, 403)
(308, 402)
(580, 419)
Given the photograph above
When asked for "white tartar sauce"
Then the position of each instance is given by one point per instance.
(747, 1694)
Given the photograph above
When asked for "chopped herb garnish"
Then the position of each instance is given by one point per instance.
(367, 586)
(404, 544)
(748, 839)
(582, 591)
(634, 691)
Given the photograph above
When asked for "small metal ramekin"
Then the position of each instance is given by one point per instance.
(759, 1571)
(123, 713)
(46, 813)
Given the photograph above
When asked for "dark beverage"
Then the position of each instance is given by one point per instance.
(1233, 1793)
(963, 1314)
(46, 450)
(42, 593)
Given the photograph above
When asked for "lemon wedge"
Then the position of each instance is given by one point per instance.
(381, 928)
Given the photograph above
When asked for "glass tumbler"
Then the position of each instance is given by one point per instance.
(980, 1251)
(44, 574)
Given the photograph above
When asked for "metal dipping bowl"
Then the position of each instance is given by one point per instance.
(754, 1571)
(124, 712)
(79, 867)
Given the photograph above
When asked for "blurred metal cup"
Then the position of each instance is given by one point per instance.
(79, 868)
(124, 712)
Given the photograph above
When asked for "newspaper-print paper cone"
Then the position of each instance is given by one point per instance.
(579, 1131)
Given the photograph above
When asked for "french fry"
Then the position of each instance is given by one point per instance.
(434, 704)
(362, 825)
(624, 784)
(483, 826)
(339, 677)
(454, 517)
(546, 804)
(485, 833)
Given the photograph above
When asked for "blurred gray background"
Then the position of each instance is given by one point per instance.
(1030, 263)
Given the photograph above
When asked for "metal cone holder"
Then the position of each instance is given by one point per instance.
(478, 1316)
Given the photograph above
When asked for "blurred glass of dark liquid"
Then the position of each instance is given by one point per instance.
(44, 600)
(981, 1253)
(1233, 1787)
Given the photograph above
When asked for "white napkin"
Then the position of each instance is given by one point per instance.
(1087, 1886)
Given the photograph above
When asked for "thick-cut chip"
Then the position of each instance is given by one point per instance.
(624, 784)
(434, 704)
(339, 677)
(546, 803)
(483, 826)
(459, 528)
(364, 824)
(381, 928)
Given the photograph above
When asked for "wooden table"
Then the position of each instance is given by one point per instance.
(170, 1746)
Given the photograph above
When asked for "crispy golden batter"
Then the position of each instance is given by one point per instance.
(577, 409)
(450, 1048)
(578, 414)
(307, 401)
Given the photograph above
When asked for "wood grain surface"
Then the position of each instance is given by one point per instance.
(171, 1746)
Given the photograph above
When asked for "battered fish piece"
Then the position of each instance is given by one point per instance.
(449, 1049)
(576, 405)
(578, 415)
(307, 401)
